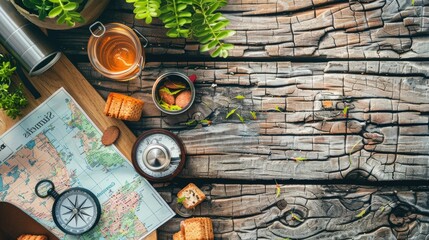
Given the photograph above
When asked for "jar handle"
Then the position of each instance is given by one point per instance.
(141, 35)
(99, 26)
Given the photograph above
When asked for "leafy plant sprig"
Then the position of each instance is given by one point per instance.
(208, 27)
(198, 19)
(176, 15)
(146, 9)
(64, 10)
(12, 99)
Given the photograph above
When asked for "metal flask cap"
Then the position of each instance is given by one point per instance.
(156, 157)
(25, 41)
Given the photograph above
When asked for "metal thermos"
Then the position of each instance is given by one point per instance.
(25, 41)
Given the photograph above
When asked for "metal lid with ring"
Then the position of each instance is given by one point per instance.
(158, 155)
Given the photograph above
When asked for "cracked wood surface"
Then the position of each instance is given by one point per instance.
(355, 29)
(383, 134)
(342, 85)
(309, 212)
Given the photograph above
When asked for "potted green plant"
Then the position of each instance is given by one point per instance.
(60, 14)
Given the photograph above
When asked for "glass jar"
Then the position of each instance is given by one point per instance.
(115, 51)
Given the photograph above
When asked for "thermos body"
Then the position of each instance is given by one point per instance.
(25, 41)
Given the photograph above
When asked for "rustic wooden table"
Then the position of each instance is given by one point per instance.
(341, 85)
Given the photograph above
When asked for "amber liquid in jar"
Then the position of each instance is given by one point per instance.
(116, 52)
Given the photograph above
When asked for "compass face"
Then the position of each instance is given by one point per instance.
(153, 150)
(76, 211)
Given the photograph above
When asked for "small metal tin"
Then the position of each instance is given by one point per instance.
(158, 83)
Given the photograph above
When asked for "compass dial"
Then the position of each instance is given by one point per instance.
(76, 211)
(158, 155)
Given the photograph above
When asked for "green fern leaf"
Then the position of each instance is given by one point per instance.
(146, 9)
(176, 16)
(208, 27)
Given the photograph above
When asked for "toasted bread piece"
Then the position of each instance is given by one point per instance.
(32, 237)
(192, 194)
(197, 229)
(131, 109)
(113, 105)
(184, 98)
(209, 228)
(123, 107)
(178, 236)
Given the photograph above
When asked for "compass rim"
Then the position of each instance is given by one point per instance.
(165, 132)
(97, 204)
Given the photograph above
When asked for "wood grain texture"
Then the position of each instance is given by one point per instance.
(370, 29)
(319, 212)
(382, 135)
(299, 64)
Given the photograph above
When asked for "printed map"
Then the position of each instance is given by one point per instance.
(57, 141)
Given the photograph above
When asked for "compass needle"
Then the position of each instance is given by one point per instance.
(70, 202)
(67, 208)
(74, 215)
(75, 202)
(86, 214)
(80, 206)
(79, 214)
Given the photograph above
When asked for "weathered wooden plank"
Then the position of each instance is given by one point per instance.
(383, 135)
(269, 28)
(322, 212)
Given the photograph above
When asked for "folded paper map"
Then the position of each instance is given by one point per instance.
(58, 141)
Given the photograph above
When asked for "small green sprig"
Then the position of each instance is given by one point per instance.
(296, 217)
(278, 189)
(181, 200)
(240, 97)
(12, 99)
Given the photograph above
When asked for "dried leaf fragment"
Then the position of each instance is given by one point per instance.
(296, 217)
(345, 111)
(240, 97)
(278, 189)
(278, 109)
(361, 213)
(230, 113)
(253, 114)
(240, 117)
(299, 159)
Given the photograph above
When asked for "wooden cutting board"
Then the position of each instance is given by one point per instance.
(64, 74)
